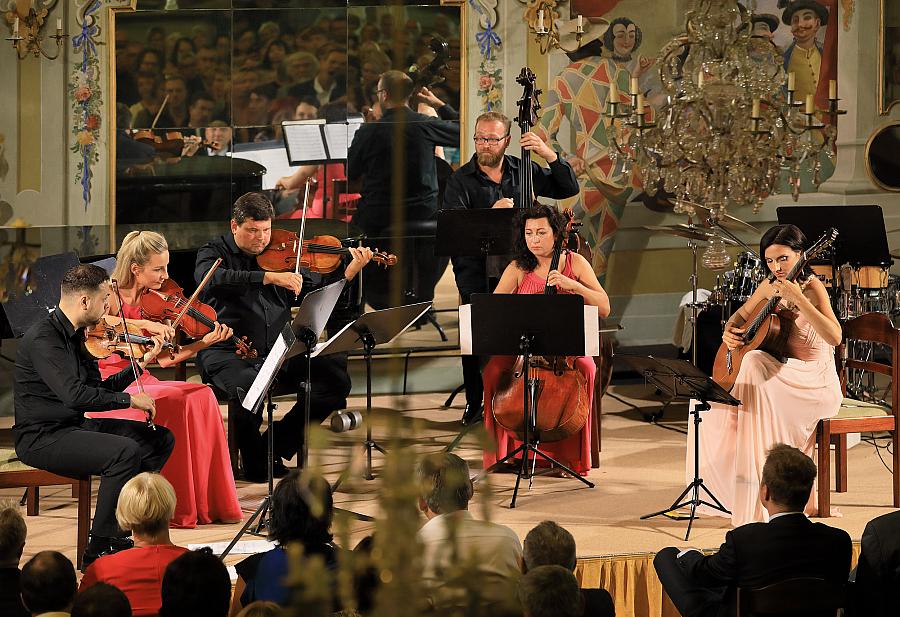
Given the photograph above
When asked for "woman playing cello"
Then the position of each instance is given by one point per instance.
(199, 467)
(536, 232)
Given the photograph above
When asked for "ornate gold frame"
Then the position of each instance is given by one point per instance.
(872, 177)
(884, 107)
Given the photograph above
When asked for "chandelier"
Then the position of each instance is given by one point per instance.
(730, 125)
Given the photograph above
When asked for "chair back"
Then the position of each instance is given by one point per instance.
(871, 328)
(794, 597)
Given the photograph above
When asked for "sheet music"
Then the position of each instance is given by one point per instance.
(304, 141)
(339, 136)
(465, 329)
(275, 160)
(591, 330)
(269, 366)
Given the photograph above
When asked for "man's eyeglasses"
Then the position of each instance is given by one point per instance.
(491, 141)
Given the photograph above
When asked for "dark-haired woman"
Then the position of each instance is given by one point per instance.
(301, 512)
(781, 402)
(536, 231)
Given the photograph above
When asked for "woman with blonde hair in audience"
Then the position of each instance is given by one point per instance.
(261, 609)
(145, 507)
(199, 467)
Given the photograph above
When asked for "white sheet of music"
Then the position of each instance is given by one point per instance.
(304, 141)
(591, 330)
(338, 138)
(279, 348)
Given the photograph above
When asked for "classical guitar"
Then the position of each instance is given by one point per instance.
(769, 326)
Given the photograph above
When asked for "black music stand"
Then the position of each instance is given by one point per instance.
(528, 325)
(682, 381)
(371, 329)
(474, 232)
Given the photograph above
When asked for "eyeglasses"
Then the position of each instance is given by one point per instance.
(491, 141)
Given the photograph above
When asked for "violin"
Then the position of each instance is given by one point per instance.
(168, 303)
(320, 254)
(106, 338)
(170, 142)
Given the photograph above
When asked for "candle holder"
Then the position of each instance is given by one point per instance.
(26, 34)
(551, 34)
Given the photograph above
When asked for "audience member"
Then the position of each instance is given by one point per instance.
(877, 589)
(261, 609)
(149, 87)
(101, 600)
(452, 539)
(301, 511)
(48, 584)
(550, 591)
(296, 68)
(200, 111)
(196, 585)
(307, 109)
(150, 61)
(330, 83)
(548, 544)
(12, 542)
(758, 554)
(220, 134)
(145, 507)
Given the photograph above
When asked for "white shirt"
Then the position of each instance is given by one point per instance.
(493, 551)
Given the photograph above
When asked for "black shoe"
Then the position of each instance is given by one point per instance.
(258, 474)
(100, 546)
(473, 414)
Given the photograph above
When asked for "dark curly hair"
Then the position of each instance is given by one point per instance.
(302, 509)
(785, 235)
(524, 258)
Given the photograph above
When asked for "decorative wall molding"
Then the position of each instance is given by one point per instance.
(490, 75)
(85, 93)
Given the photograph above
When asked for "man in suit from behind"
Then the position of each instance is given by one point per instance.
(549, 544)
(758, 554)
(877, 589)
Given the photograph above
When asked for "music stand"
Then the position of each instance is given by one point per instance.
(861, 241)
(508, 325)
(371, 329)
(38, 295)
(681, 380)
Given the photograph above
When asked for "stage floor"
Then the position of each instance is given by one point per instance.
(641, 470)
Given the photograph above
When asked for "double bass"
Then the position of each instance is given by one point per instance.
(560, 390)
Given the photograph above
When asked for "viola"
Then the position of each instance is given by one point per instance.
(170, 142)
(168, 303)
(106, 338)
(320, 254)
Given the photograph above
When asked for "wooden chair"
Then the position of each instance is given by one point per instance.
(795, 597)
(860, 416)
(16, 474)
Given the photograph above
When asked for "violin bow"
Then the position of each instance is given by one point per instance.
(162, 106)
(131, 358)
(187, 305)
(302, 227)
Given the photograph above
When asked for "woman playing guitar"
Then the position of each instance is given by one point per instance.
(199, 467)
(782, 398)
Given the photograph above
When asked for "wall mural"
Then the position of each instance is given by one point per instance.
(612, 52)
(84, 90)
(490, 76)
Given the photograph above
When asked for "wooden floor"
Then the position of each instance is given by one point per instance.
(642, 470)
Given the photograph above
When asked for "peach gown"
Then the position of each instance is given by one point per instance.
(780, 403)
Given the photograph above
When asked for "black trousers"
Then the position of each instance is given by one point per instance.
(115, 450)
(330, 388)
(690, 599)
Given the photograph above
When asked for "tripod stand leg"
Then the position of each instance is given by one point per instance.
(523, 469)
(260, 513)
(555, 463)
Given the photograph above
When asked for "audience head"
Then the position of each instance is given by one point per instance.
(332, 61)
(146, 505)
(200, 111)
(298, 67)
(12, 534)
(550, 591)
(101, 600)
(274, 53)
(307, 109)
(84, 294)
(196, 584)
(261, 609)
(548, 544)
(176, 90)
(150, 61)
(302, 509)
(219, 133)
(444, 483)
(394, 88)
(787, 479)
(48, 583)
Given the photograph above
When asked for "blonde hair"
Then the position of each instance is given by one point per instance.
(261, 608)
(146, 504)
(137, 248)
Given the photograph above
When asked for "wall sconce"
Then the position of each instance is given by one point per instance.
(26, 26)
(565, 35)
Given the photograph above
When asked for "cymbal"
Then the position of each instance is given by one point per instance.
(682, 230)
(729, 222)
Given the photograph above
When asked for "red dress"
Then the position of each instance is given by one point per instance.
(573, 451)
(199, 467)
(346, 202)
(138, 572)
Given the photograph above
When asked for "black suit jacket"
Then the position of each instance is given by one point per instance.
(758, 554)
(877, 589)
(598, 603)
(10, 590)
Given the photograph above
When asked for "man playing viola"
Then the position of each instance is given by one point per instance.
(56, 382)
(257, 304)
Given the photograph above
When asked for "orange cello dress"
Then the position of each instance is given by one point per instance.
(199, 467)
(575, 450)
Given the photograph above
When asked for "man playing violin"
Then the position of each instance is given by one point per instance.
(56, 382)
(491, 180)
(257, 305)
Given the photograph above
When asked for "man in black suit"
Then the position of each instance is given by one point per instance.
(758, 554)
(877, 590)
(548, 544)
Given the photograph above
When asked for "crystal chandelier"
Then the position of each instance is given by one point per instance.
(730, 124)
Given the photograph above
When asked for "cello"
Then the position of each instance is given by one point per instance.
(560, 391)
